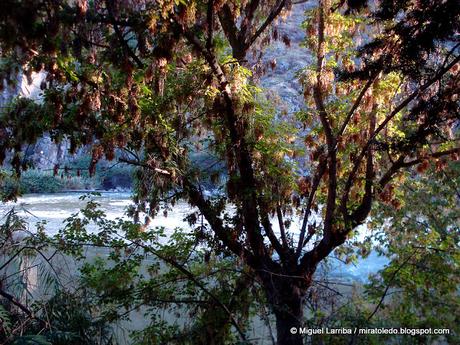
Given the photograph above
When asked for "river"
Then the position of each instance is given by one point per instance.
(55, 208)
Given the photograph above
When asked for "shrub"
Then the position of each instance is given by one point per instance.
(35, 181)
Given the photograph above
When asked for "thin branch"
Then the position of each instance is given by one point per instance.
(399, 163)
(308, 238)
(393, 276)
(143, 165)
(355, 106)
(210, 23)
(316, 181)
(192, 277)
(279, 215)
(329, 288)
(281, 250)
(364, 208)
(126, 48)
(223, 233)
(450, 53)
(18, 304)
(13, 257)
(246, 24)
(271, 17)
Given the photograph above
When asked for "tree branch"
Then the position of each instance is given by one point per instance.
(364, 208)
(16, 303)
(210, 22)
(246, 24)
(324, 118)
(281, 250)
(276, 10)
(238, 144)
(393, 276)
(192, 277)
(399, 163)
(279, 215)
(355, 106)
(231, 32)
(316, 181)
(126, 48)
(391, 115)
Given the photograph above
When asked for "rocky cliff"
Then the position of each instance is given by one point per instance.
(285, 57)
(44, 154)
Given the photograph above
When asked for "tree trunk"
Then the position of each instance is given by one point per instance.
(286, 297)
(288, 324)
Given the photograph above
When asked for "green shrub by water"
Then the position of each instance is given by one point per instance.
(35, 181)
(44, 181)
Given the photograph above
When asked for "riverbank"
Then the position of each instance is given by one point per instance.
(35, 181)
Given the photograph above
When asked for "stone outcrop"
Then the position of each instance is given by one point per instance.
(284, 61)
(44, 154)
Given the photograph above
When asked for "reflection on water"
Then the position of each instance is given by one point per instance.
(55, 208)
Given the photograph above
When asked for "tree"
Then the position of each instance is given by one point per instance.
(417, 289)
(206, 294)
(162, 80)
(424, 246)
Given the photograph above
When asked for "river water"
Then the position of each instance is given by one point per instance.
(55, 208)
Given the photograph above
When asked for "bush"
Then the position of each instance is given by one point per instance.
(43, 181)
(108, 175)
(36, 181)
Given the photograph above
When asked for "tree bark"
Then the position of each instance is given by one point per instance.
(286, 322)
(286, 294)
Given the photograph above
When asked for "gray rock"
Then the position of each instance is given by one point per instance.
(290, 60)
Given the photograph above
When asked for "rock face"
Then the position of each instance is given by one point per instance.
(282, 63)
(44, 154)
(287, 60)
(23, 86)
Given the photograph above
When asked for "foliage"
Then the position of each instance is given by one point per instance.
(422, 239)
(38, 181)
(71, 320)
(165, 79)
(33, 181)
(70, 314)
(418, 288)
(149, 273)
